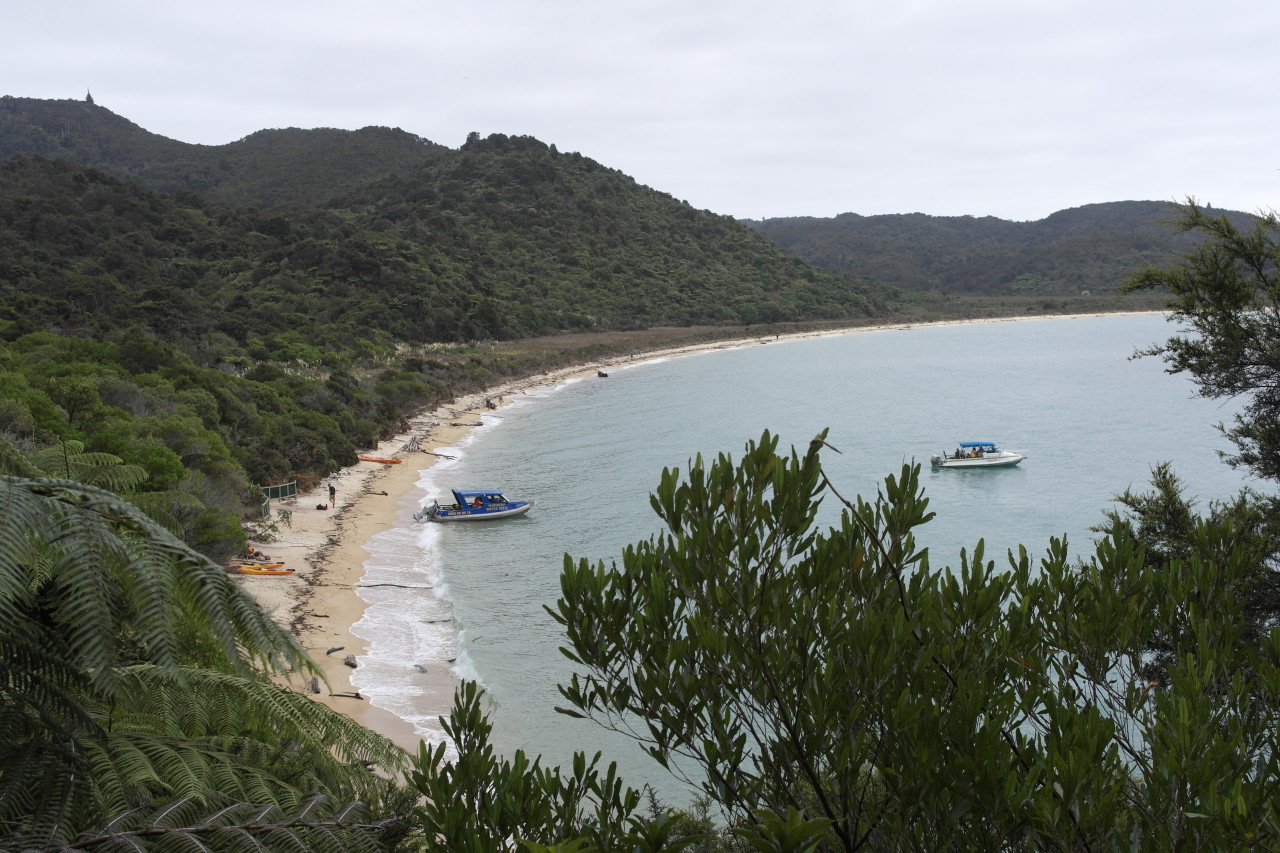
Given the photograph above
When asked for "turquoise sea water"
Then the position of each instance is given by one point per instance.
(1063, 391)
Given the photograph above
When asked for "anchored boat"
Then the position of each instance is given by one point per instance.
(977, 454)
(473, 505)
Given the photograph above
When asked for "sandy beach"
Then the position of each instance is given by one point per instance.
(326, 547)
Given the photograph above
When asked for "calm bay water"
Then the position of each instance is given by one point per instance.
(1063, 391)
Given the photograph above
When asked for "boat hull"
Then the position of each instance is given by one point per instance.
(486, 513)
(1002, 460)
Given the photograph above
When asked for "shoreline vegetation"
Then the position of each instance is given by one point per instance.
(326, 546)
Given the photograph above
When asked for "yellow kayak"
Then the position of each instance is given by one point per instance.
(269, 569)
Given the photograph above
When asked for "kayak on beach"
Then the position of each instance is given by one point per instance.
(268, 569)
(381, 459)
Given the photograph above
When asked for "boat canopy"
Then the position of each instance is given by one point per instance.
(486, 496)
(977, 444)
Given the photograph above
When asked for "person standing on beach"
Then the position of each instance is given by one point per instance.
(332, 493)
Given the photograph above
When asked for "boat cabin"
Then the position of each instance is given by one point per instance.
(478, 499)
(473, 505)
(974, 450)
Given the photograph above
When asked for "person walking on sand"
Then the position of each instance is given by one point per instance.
(332, 492)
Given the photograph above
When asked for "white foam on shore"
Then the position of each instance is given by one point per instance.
(407, 625)
(409, 622)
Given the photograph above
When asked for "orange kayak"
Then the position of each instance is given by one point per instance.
(381, 459)
(260, 570)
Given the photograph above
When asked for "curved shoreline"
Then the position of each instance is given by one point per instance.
(328, 546)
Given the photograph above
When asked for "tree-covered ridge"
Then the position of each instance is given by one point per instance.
(218, 348)
(82, 252)
(269, 170)
(594, 248)
(1093, 248)
(502, 240)
(287, 170)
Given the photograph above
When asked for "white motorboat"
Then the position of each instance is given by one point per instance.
(977, 454)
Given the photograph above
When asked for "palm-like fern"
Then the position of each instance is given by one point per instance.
(68, 460)
(90, 726)
(186, 732)
(200, 824)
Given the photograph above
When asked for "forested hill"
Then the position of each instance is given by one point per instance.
(503, 239)
(542, 231)
(1089, 248)
(271, 170)
(153, 309)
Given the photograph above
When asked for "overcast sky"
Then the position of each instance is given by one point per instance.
(754, 109)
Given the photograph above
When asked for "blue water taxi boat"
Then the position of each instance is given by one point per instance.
(977, 454)
(473, 505)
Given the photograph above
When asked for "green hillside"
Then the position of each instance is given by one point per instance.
(563, 242)
(1090, 248)
(504, 239)
(221, 338)
(270, 170)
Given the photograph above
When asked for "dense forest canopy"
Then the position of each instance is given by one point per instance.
(1090, 248)
(272, 169)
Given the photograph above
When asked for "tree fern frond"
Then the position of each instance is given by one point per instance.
(38, 794)
(191, 824)
(42, 722)
(68, 460)
(104, 550)
(179, 813)
(81, 735)
(249, 705)
(276, 748)
(130, 770)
